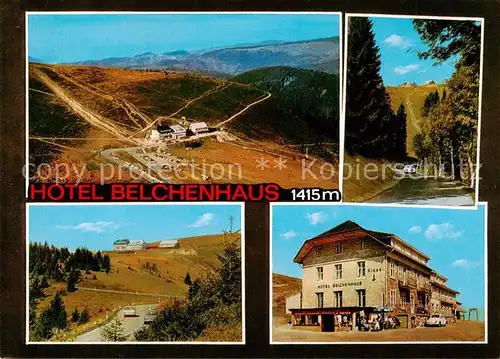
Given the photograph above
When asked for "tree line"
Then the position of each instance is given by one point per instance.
(49, 263)
(448, 139)
(373, 129)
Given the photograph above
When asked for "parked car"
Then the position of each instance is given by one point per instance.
(129, 312)
(436, 320)
(150, 316)
(410, 168)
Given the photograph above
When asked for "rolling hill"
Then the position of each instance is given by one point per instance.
(412, 97)
(283, 287)
(318, 54)
(142, 277)
(78, 112)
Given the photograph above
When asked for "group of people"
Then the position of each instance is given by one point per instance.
(380, 322)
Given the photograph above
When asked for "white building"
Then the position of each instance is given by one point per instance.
(198, 127)
(169, 243)
(178, 131)
(136, 245)
(121, 245)
(155, 135)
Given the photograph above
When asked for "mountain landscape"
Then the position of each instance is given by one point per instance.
(317, 54)
(103, 113)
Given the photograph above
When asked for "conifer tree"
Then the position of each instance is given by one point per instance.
(113, 332)
(368, 111)
(187, 279)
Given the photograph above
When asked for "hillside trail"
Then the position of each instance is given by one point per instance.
(93, 118)
(244, 110)
(220, 87)
(411, 113)
(132, 112)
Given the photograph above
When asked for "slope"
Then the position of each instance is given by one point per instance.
(283, 287)
(412, 97)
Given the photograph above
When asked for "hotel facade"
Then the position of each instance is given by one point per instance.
(348, 270)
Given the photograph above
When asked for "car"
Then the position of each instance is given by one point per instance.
(436, 320)
(150, 316)
(129, 312)
(410, 168)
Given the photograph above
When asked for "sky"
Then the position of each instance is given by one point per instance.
(98, 226)
(71, 38)
(399, 42)
(453, 238)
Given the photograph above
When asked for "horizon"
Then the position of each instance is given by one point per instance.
(63, 38)
(97, 227)
(448, 236)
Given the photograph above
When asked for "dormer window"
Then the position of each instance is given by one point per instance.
(319, 251)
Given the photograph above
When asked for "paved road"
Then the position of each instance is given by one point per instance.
(426, 191)
(130, 324)
(461, 331)
(129, 292)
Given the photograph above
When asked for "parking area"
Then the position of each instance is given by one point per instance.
(460, 331)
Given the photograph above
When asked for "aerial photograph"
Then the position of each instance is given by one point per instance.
(184, 98)
(340, 274)
(135, 273)
(412, 110)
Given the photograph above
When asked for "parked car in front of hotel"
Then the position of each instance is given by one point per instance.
(410, 168)
(436, 320)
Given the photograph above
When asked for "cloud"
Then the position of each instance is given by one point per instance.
(415, 229)
(316, 217)
(402, 70)
(442, 231)
(204, 220)
(464, 263)
(397, 41)
(289, 235)
(98, 227)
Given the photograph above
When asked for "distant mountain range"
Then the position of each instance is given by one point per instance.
(317, 54)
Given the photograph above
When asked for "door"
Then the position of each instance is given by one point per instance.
(327, 323)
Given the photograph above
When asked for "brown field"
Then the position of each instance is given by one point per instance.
(460, 331)
(283, 287)
(195, 255)
(248, 154)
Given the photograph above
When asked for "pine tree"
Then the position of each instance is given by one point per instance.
(84, 316)
(187, 279)
(54, 317)
(113, 332)
(368, 111)
(401, 137)
(75, 315)
(71, 281)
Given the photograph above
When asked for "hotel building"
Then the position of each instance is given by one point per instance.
(348, 270)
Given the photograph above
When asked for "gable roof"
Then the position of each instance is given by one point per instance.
(345, 227)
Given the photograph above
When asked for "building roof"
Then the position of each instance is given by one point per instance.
(198, 125)
(178, 128)
(350, 226)
(137, 241)
(442, 286)
(121, 241)
(164, 129)
(168, 241)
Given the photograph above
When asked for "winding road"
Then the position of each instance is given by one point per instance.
(130, 324)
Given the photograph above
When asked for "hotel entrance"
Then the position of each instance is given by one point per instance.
(327, 322)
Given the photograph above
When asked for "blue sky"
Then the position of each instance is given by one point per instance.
(453, 238)
(98, 226)
(399, 42)
(71, 38)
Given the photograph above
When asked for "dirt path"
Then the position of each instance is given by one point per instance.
(128, 292)
(91, 117)
(461, 331)
(411, 113)
(244, 110)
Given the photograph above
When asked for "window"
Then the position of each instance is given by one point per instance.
(392, 298)
(338, 298)
(338, 271)
(363, 244)
(319, 251)
(361, 293)
(393, 270)
(320, 273)
(338, 248)
(361, 269)
(319, 300)
(404, 299)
